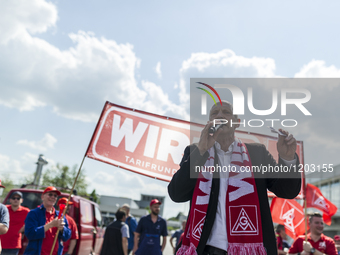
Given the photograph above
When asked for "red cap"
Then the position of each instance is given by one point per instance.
(337, 238)
(2, 186)
(155, 201)
(52, 189)
(63, 200)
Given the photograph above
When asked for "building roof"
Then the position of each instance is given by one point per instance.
(323, 175)
(117, 202)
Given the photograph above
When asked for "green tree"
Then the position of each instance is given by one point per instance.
(95, 197)
(27, 179)
(63, 177)
(173, 219)
(8, 183)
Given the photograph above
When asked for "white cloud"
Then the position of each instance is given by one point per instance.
(233, 64)
(319, 132)
(28, 161)
(318, 69)
(9, 166)
(156, 96)
(114, 183)
(326, 141)
(76, 82)
(222, 64)
(158, 70)
(18, 169)
(47, 142)
(18, 18)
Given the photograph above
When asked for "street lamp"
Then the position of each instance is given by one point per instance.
(41, 162)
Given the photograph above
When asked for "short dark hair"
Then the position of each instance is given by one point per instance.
(120, 214)
(312, 215)
(279, 228)
(228, 103)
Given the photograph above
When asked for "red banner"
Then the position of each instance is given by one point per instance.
(289, 213)
(314, 198)
(150, 144)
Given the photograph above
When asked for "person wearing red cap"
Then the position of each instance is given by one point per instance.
(4, 218)
(41, 226)
(70, 244)
(148, 232)
(11, 241)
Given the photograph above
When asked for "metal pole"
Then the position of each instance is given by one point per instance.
(68, 199)
(41, 162)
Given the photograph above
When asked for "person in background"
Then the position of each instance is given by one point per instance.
(149, 230)
(177, 235)
(70, 244)
(41, 226)
(4, 218)
(282, 244)
(116, 236)
(132, 223)
(317, 243)
(337, 242)
(11, 241)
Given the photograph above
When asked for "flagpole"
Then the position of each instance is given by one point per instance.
(305, 205)
(69, 197)
(305, 219)
(75, 180)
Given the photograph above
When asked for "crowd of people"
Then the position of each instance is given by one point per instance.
(229, 212)
(39, 225)
(124, 235)
(317, 243)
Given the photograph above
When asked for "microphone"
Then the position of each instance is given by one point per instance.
(213, 129)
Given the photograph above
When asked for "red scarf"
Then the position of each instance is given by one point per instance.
(243, 215)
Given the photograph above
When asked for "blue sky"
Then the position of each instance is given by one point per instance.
(61, 60)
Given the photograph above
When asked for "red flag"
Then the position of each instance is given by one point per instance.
(314, 198)
(289, 213)
(61, 210)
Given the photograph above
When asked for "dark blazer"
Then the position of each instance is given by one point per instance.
(285, 185)
(112, 243)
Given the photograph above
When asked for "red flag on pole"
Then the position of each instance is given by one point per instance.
(289, 213)
(315, 199)
(61, 210)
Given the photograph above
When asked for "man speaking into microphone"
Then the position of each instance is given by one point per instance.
(229, 211)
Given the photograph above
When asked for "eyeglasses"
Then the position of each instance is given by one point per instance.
(16, 198)
(52, 195)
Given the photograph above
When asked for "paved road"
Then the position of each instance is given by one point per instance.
(168, 249)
